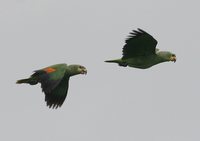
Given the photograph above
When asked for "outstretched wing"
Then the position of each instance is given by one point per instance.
(54, 83)
(50, 77)
(139, 43)
(57, 96)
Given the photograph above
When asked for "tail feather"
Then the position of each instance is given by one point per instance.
(110, 61)
(22, 81)
(28, 80)
(120, 62)
(113, 61)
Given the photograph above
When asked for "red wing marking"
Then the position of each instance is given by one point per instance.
(49, 70)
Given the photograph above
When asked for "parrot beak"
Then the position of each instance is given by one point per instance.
(84, 71)
(173, 58)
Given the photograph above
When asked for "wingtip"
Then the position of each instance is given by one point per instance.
(141, 30)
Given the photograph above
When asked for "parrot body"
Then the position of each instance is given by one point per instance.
(140, 52)
(54, 81)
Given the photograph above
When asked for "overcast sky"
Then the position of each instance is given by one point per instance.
(111, 103)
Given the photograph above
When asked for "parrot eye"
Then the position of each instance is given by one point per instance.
(173, 55)
(81, 67)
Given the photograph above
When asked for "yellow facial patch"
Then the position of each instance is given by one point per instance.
(49, 70)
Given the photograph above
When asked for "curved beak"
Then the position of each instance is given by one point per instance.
(173, 58)
(84, 71)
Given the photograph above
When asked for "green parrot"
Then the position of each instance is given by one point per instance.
(140, 51)
(54, 81)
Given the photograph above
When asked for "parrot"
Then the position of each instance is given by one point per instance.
(140, 51)
(54, 81)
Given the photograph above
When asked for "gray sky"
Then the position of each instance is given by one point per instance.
(111, 103)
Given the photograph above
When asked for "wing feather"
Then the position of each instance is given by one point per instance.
(56, 97)
(46, 83)
(139, 43)
(54, 83)
(50, 79)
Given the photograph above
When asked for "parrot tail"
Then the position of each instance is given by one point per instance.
(30, 81)
(110, 61)
(113, 61)
(119, 61)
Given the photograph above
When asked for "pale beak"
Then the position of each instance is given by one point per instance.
(173, 58)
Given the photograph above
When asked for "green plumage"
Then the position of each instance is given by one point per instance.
(30, 81)
(140, 52)
(54, 81)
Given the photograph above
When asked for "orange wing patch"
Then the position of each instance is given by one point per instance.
(49, 70)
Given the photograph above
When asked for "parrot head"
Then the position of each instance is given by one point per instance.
(76, 69)
(167, 56)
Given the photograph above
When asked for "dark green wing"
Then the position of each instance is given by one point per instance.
(56, 97)
(50, 77)
(54, 83)
(139, 43)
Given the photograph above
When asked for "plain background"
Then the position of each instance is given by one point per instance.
(111, 103)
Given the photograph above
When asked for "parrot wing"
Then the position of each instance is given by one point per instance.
(54, 83)
(139, 43)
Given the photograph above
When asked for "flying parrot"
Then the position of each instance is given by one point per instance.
(140, 51)
(54, 81)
